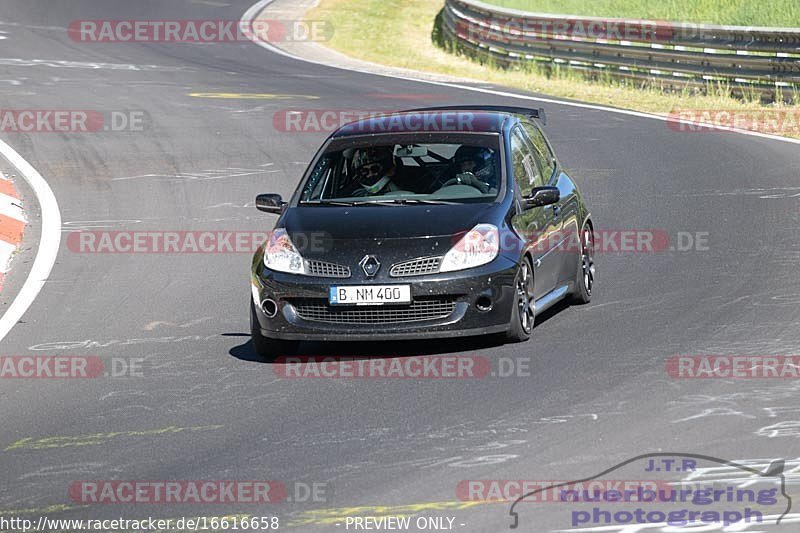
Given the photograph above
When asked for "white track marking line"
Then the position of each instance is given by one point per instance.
(255, 9)
(49, 240)
(61, 63)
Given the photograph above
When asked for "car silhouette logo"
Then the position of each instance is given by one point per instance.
(775, 470)
(370, 265)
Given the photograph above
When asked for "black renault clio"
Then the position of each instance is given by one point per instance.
(425, 223)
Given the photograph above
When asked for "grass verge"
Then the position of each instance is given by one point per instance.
(777, 13)
(397, 33)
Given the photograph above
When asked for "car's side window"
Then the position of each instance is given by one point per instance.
(545, 156)
(526, 171)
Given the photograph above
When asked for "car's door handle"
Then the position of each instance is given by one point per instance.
(556, 211)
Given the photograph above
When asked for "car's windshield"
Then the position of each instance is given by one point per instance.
(402, 170)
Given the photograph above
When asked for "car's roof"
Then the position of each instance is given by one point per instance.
(428, 121)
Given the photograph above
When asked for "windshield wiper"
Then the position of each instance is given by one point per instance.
(406, 201)
(330, 202)
(385, 202)
(347, 203)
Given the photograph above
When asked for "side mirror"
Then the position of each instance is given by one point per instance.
(542, 196)
(270, 203)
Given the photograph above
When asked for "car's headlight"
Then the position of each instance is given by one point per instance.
(281, 255)
(478, 247)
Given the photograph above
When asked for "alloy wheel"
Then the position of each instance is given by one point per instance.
(525, 300)
(587, 259)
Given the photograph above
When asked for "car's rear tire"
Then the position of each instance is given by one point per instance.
(584, 277)
(523, 312)
(268, 349)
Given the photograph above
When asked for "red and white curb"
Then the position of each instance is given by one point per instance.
(12, 225)
(49, 238)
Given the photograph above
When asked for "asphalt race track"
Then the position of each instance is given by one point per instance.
(201, 408)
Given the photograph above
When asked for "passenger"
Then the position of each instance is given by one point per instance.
(375, 169)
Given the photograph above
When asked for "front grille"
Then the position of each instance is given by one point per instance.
(318, 310)
(416, 267)
(327, 270)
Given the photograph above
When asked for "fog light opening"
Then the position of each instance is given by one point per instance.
(484, 303)
(270, 308)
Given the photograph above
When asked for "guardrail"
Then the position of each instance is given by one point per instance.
(763, 61)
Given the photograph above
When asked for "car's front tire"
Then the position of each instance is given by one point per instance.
(268, 349)
(523, 311)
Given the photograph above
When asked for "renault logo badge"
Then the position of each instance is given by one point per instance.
(370, 265)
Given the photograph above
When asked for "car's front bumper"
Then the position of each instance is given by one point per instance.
(303, 313)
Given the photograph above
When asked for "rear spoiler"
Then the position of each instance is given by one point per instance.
(538, 114)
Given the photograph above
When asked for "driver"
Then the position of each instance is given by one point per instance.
(471, 168)
(375, 169)
(468, 159)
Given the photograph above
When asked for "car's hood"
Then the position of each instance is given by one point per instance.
(386, 222)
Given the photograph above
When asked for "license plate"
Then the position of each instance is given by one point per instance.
(370, 295)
